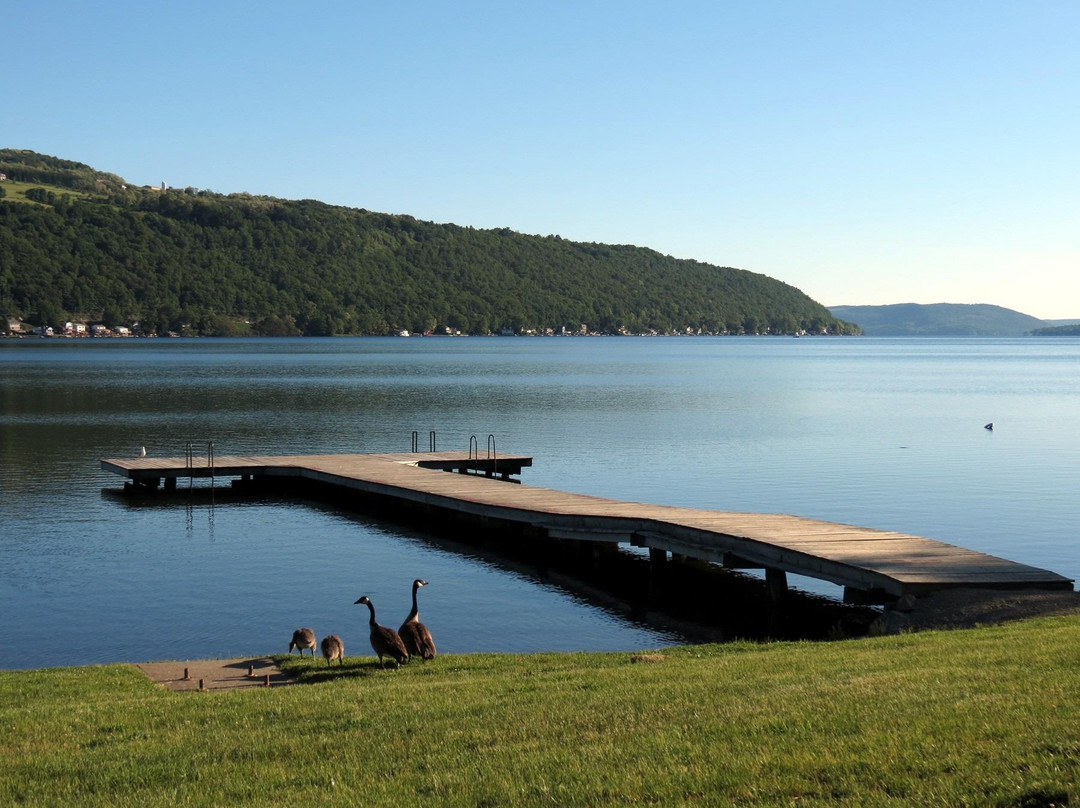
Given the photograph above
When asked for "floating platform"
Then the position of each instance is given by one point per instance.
(873, 566)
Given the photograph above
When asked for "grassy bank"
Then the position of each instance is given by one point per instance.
(16, 191)
(981, 717)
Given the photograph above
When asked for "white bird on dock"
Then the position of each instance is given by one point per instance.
(142, 451)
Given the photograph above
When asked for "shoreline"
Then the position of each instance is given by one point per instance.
(945, 610)
(950, 609)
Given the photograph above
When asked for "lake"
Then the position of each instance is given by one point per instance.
(885, 433)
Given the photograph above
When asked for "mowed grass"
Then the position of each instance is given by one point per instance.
(989, 716)
(16, 191)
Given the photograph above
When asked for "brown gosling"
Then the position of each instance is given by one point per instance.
(333, 648)
(414, 634)
(385, 642)
(303, 638)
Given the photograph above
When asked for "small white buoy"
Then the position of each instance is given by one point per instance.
(989, 426)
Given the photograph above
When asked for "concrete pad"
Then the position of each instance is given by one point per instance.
(215, 674)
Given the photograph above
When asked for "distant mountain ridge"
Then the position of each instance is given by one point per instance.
(1070, 329)
(939, 320)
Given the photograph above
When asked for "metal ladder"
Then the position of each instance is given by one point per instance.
(210, 462)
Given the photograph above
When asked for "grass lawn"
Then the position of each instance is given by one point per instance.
(16, 191)
(988, 716)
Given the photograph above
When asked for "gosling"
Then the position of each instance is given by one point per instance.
(333, 648)
(303, 638)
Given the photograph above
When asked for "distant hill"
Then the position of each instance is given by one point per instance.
(938, 320)
(1072, 330)
(78, 243)
(23, 165)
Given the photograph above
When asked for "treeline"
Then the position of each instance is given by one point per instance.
(1057, 331)
(199, 262)
(22, 165)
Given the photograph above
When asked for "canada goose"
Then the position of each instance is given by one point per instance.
(333, 648)
(384, 641)
(303, 638)
(414, 634)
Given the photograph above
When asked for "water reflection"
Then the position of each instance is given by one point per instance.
(681, 600)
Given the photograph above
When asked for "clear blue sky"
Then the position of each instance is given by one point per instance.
(865, 152)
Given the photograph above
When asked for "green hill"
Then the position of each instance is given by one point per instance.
(938, 320)
(22, 165)
(76, 242)
(1058, 331)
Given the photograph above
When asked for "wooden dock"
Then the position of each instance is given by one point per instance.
(873, 566)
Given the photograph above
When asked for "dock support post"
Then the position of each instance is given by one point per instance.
(776, 580)
(170, 483)
(657, 557)
(867, 597)
(600, 551)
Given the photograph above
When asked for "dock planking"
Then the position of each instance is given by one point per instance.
(872, 565)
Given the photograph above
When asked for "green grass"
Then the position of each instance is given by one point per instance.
(16, 191)
(989, 716)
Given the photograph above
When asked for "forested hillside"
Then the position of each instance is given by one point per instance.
(1058, 331)
(78, 243)
(939, 320)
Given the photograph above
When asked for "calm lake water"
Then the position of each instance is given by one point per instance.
(886, 433)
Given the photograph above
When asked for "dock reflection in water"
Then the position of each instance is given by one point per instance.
(680, 601)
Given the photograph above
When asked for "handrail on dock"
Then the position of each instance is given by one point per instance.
(416, 441)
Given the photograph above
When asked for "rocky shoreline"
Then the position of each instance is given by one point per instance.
(968, 608)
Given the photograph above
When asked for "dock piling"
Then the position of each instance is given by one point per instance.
(776, 580)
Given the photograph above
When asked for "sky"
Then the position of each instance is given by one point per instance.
(865, 152)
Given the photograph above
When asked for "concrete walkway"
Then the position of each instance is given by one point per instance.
(215, 674)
